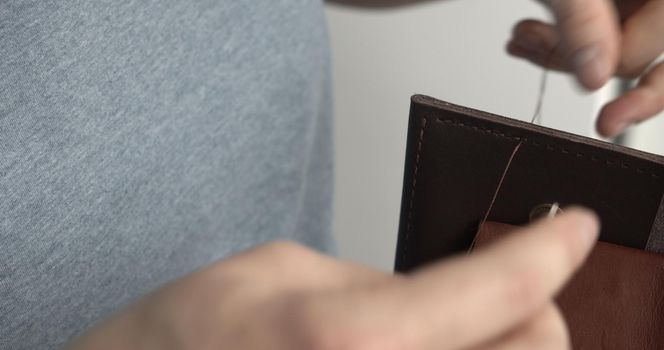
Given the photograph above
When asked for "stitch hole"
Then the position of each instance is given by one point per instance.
(624, 165)
(550, 147)
(594, 158)
(565, 150)
(655, 176)
(536, 144)
(639, 170)
(580, 155)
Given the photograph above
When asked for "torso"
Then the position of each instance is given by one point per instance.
(140, 140)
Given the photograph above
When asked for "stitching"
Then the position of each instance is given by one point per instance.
(412, 190)
(550, 147)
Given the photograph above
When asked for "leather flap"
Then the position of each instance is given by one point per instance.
(454, 160)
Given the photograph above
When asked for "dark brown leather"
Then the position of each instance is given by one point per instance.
(455, 158)
(614, 302)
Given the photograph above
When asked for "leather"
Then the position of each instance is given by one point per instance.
(455, 157)
(614, 302)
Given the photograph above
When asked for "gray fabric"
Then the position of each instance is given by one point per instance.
(141, 139)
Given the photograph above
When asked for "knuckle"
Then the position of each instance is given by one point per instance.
(286, 252)
(275, 256)
(284, 248)
(581, 27)
(286, 256)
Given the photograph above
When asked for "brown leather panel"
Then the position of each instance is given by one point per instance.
(614, 302)
(455, 157)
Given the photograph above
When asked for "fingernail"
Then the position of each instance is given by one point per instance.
(590, 66)
(530, 42)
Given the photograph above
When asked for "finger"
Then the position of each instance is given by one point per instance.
(590, 36)
(637, 105)
(547, 330)
(642, 39)
(538, 42)
(468, 300)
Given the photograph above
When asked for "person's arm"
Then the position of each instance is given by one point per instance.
(284, 296)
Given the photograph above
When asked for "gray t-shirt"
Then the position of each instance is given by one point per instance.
(140, 140)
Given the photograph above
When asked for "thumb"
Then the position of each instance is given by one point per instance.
(590, 38)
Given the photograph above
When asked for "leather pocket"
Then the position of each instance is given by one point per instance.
(615, 301)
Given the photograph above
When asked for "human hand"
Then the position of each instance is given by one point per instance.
(284, 296)
(597, 39)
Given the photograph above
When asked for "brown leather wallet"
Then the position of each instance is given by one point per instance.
(454, 161)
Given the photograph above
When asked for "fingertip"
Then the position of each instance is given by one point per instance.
(631, 108)
(611, 121)
(513, 49)
(585, 223)
(536, 37)
(586, 217)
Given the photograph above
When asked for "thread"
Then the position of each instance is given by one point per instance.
(536, 119)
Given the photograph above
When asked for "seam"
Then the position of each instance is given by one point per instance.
(547, 146)
(409, 225)
(551, 147)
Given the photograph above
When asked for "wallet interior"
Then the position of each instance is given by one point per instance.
(456, 156)
(615, 301)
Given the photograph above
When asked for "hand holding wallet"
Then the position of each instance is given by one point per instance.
(455, 159)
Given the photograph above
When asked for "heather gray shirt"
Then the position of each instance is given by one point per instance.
(142, 139)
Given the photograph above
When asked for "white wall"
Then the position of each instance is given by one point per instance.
(452, 50)
(648, 136)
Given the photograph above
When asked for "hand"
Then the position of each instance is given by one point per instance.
(283, 296)
(596, 39)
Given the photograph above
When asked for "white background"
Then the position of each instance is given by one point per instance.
(451, 50)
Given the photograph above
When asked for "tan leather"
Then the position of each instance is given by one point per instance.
(614, 302)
